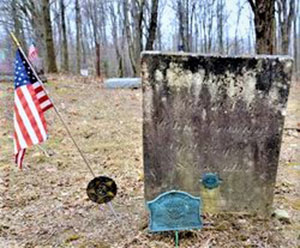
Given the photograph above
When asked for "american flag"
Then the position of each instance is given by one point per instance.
(30, 103)
(33, 53)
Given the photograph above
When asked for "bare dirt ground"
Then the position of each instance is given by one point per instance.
(46, 205)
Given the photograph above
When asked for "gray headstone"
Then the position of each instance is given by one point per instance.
(124, 83)
(212, 114)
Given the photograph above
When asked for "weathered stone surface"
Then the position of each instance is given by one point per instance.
(210, 114)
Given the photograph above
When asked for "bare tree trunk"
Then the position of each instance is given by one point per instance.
(129, 37)
(264, 20)
(295, 37)
(210, 26)
(205, 37)
(78, 35)
(295, 44)
(196, 40)
(210, 38)
(286, 15)
(227, 41)
(250, 36)
(161, 11)
(183, 21)
(102, 15)
(202, 35)
(159, 38)
(153, 25)
(187, 26)
(192, 46)
(50, 52)
(18, 26)
(98, 56)
(182, 44)
(85, 47)
(65, 55)
(93, 15)
(298, 55)
(122, 41)
(116, 40)
(58, 37)
(103, 37)
(220, 7)
(236, 45)
(138, 11)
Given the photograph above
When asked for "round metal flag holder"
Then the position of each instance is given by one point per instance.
(101, 189)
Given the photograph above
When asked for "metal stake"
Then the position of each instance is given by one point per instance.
(176, 239)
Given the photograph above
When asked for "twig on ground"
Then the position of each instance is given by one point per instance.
(43, 150)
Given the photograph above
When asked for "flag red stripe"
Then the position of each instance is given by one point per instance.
(22, 128)
(19, 158)
(38, 106)
(29, 114)
(43, 99)
(38, 89)
(20, 162)
(47, 107)
(17, 141)
(43, 121)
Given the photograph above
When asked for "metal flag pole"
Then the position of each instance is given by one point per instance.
(60, 117)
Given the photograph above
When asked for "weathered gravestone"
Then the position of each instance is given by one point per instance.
(211, 116)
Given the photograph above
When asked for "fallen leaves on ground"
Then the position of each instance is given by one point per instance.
(46, 205)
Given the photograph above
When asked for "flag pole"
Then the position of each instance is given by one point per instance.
(54, 106)
(60, 117)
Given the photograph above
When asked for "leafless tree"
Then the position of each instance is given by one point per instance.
(107, 36)
(50, 62)
(78, 36)
(286, 15)
(65, 63)
(116, 37)
(153, 25)
(264, 20)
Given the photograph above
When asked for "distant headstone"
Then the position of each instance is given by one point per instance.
(2, 56)
(122, 83)
(212, 127)
(84, 72)
(6, 65)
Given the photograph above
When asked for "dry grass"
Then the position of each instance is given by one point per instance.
(45, 205)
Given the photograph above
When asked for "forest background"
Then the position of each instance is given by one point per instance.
(107, 36)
